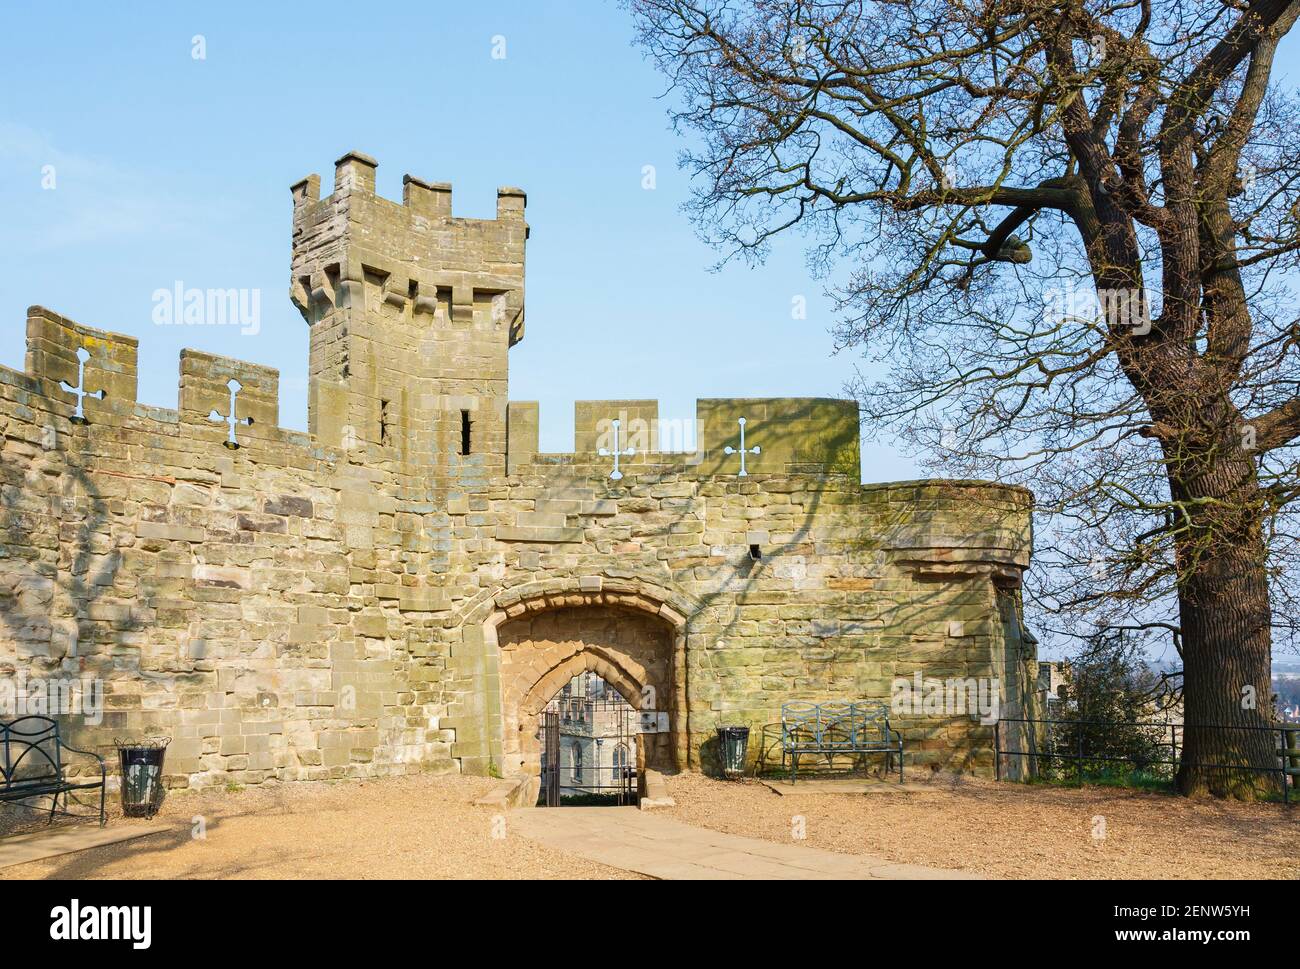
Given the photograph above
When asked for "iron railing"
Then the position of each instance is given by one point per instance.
(1047, 749)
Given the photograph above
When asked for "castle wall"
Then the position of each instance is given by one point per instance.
(301, 606)
(856, 585)
(254, 604)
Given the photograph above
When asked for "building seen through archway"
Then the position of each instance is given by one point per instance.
(588, 740)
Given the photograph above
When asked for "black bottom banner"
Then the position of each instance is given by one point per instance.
(138, 920)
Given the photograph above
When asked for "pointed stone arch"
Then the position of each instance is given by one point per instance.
(593, 638)
(592, 660)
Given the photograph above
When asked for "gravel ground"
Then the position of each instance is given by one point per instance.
(426, 826)
(1013, 830)
(422, 826)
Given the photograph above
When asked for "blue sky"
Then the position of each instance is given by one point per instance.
(169, 168)
(174, 169)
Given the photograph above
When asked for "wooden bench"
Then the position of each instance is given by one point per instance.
(832, 729)
(32, 765)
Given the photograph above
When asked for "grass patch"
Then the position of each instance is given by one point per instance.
(1143, 780)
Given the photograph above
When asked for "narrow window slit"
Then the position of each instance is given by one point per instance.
(465, 432)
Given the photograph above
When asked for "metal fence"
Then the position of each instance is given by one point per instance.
(1092, 742)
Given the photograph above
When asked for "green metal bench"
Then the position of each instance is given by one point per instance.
(32, 765)
(835, 728)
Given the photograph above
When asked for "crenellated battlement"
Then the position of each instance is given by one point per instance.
(89, 377)
(91, 374)
(354, 173)
(424, 260)
(783, 435)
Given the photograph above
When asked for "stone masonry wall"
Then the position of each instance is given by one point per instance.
(366, 599)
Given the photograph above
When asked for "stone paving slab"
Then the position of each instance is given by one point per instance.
(660, 847)
(37, 845)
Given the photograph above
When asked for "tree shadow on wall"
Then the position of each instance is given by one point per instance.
(865, 528)
(74, 577)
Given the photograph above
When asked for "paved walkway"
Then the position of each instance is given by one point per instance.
(19, 849)
(651, 844)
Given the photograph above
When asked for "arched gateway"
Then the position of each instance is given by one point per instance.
(635, 642)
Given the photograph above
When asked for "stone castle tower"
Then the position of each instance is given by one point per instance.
(412, 313)
(405, 586)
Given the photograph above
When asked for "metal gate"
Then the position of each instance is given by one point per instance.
(551, 756)
(588, 752)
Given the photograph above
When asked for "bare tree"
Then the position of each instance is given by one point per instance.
(1063, 230)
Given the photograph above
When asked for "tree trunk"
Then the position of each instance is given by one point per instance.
(1227, 639)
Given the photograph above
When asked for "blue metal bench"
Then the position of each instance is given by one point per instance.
(32, 765)
(835, 728)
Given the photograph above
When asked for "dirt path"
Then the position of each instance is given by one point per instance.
(404, 827)
(661, 847)
(1012, 830)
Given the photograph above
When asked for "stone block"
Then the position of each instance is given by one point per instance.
(290, 506)
(168, 532)
(512, 533)
(593, 425)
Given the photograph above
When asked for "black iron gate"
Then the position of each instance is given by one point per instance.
(551, 756)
